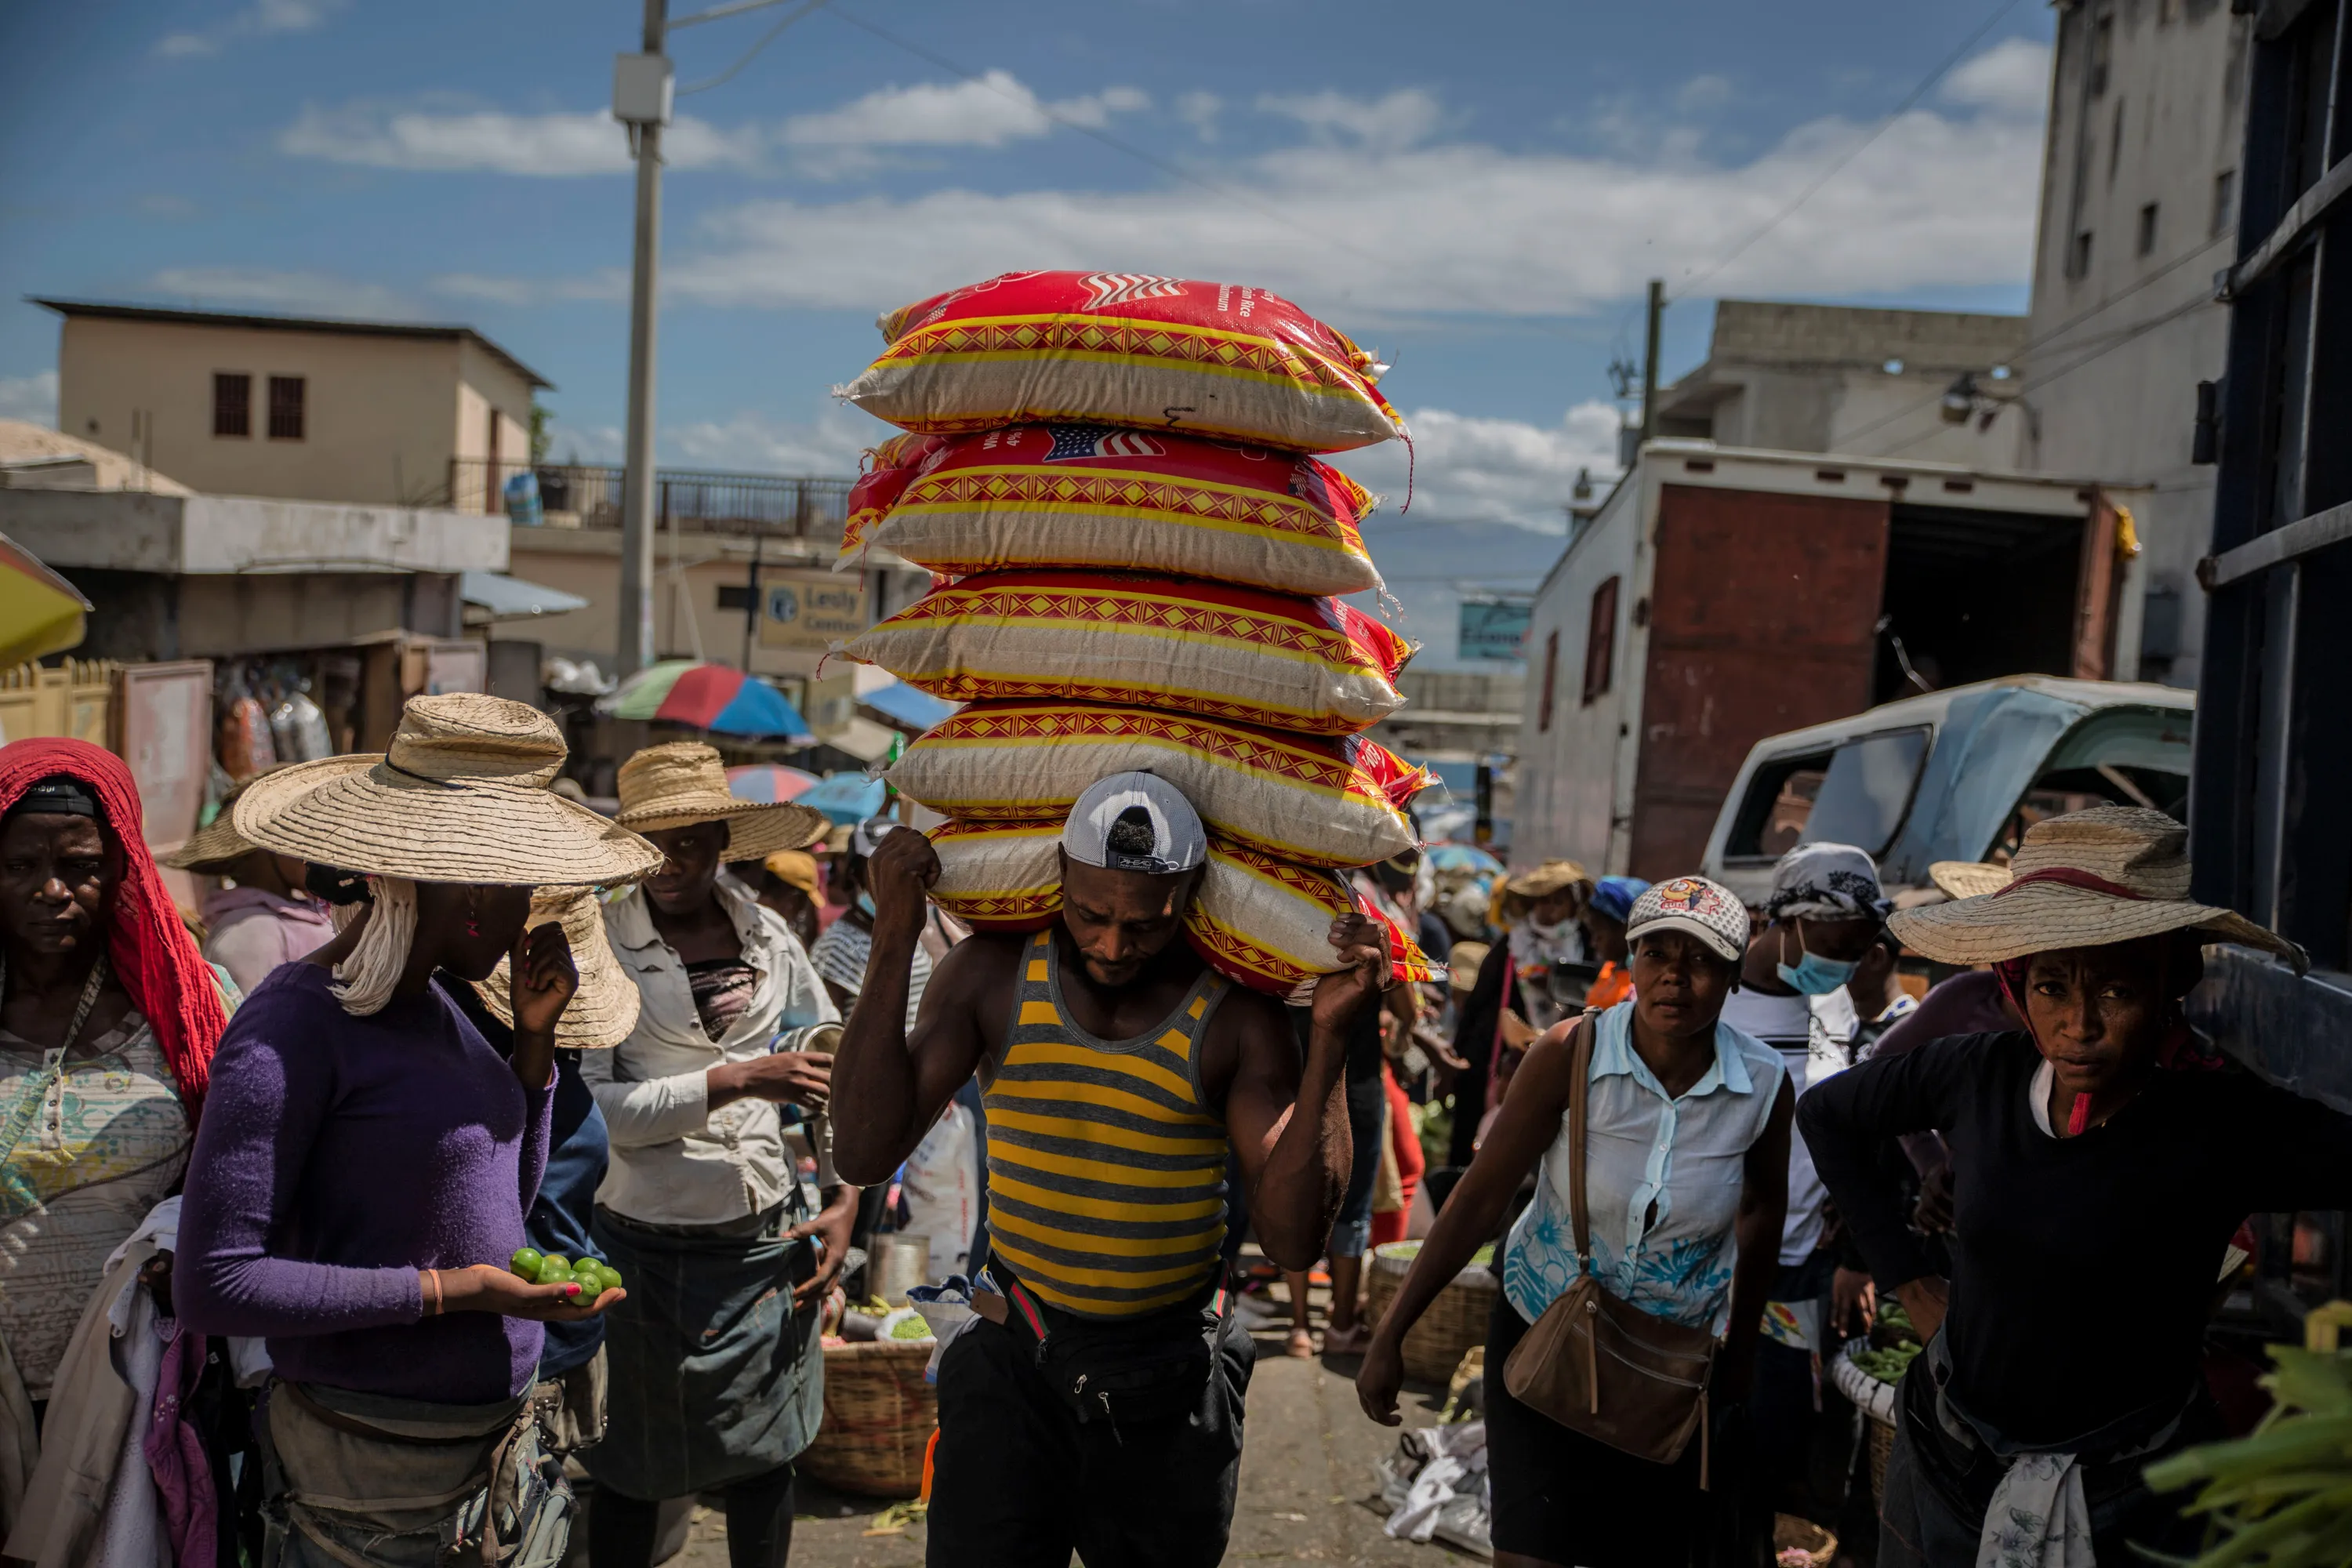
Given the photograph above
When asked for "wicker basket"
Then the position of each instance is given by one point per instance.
(1455, 1322)
(879, 1414)
(1882, 1447)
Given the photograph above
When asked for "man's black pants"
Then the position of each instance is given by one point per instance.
(1017, 1481)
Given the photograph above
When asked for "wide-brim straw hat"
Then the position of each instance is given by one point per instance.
(2113, 873)
(1547, 880)
(604, 1011)
(1968, 879)
(460, 796)
(683, 784)
(217, 844)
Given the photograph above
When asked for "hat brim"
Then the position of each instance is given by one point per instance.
(1968, 879)
(355, 812)
(604, 1011)
(755, 829)
(1543, 884)
(2044, 917)
(211, 850)
(1710, 938)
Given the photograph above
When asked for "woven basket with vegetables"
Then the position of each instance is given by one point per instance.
(1866, 1373)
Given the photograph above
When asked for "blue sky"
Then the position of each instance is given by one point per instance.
(1479, 189)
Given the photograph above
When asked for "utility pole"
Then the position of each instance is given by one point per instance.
(1650, 360)
(641, 101)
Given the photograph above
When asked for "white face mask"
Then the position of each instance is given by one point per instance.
(1554, 931)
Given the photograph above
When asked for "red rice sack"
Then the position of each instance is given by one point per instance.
(1210, 359)
(1320, 802)
(1316, 666)
(1263, 922)
(1095, 495)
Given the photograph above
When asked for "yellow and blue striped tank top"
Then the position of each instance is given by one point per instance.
(1105, 1169)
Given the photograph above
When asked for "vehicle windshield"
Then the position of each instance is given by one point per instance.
(1857, 794)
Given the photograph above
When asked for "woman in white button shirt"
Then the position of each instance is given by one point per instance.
(1686, 1176)
(716, 1376)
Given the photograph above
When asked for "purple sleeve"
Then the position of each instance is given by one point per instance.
(539, 1105)
(261, 1118)
(1967, 1003)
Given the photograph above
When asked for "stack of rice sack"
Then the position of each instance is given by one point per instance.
(1138, 562)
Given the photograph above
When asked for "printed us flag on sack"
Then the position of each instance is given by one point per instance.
(1126, 348)
(1101, 496)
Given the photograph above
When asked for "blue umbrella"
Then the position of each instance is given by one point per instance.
(846, 797)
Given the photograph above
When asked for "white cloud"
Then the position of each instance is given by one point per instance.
(2011, 78)
(1200, 111)
(385, 136)
(1471, 469)
(1402, 119)
(282, 292)
(261, 17)
(1702, 93)
(1367, 232)
(30, 397)
(757, 442)
(442, 131)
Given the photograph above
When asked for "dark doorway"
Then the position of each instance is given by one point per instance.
(1973, 595)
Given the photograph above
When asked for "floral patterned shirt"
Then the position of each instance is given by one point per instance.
(1663, 1178)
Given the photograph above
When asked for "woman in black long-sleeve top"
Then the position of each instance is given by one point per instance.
(2101, 1174)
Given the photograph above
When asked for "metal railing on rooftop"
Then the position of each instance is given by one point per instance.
(588, 495)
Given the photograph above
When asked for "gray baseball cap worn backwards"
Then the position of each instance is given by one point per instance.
(1135, 822)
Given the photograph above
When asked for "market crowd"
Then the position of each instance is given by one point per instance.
(466, 1146)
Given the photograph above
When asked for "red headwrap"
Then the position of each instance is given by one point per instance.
(155, 959)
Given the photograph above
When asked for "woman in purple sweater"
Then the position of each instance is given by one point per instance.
(357, 1193)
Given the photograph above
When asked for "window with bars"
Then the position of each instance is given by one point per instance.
(231, 403)
(1550, 682)
(286, 399)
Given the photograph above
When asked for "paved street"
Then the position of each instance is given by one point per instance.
(1307, 1494)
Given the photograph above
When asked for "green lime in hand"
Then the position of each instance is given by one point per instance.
(525, 1262)
(551, 1271)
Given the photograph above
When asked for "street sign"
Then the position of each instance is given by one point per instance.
(810, 610)
(1494, 627)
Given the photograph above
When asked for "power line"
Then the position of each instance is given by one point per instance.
(1823, 178)
(723, 77)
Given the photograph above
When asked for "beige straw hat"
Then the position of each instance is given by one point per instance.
(214, 847)
(604, 1011)
(1968, 879)
(1547, 879)
(683, 783)
(2113, 873)
(460, 796)
(1465, 962)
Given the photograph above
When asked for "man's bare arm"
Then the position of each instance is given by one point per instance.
(1288, 1122)
(889, 1086)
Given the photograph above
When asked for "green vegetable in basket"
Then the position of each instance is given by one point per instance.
(1887, 1365)
(910, 1329)
(2281, 1498)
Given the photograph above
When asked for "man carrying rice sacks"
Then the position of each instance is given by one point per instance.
(1095, 1403)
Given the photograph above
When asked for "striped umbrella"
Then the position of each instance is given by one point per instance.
(770, 784)
(710, 696)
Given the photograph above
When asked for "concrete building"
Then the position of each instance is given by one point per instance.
(368, 413)
(2139, 208)
(1860, 381)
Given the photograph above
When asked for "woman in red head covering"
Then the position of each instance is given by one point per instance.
(107, 1021)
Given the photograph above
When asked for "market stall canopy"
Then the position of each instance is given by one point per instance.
(769, 783)
(864, 739)
(40, 612)
(505, 598)
(710, 697)
(902, 704)
(847, 797)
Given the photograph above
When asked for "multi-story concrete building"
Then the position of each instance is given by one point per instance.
(1857, 380)
(2139, 208)
(370, 413)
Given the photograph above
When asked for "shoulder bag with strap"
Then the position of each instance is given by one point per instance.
(1600, 1365)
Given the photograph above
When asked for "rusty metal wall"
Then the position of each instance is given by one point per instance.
(1761, 611)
